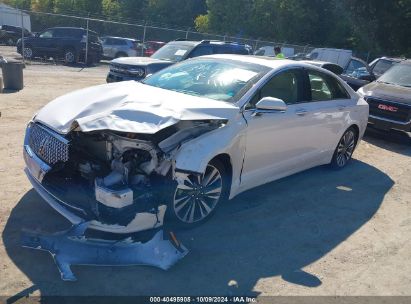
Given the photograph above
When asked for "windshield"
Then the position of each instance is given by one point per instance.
(399, 74)
(172, 52)
(215, 79)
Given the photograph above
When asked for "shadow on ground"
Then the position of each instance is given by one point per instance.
(273, 230)
(395, 141)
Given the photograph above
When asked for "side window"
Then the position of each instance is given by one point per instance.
(119, 42)
(60, 33)
(286, 86)
(325, 87)
(201, 51)
(320, 90)
(354, 65)
(47, 34)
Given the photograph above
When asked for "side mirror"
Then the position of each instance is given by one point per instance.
(271, 104)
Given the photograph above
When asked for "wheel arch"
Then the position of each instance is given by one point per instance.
(357, 131)
(225, 159)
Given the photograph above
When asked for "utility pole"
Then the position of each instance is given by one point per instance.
(86, 59)
(22, 37)
(144, 38)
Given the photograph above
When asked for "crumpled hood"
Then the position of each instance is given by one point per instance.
(140, 61)
(129, 106)
(388, 92)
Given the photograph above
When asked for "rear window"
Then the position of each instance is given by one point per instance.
(67, 33)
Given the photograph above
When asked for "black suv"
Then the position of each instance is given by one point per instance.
(10, 34)
(137, 68)
(67, 43)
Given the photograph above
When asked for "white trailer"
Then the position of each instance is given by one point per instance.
(12, 16)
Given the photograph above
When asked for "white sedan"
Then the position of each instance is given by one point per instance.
(124, 156)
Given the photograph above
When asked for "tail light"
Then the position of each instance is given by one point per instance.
(134, 46)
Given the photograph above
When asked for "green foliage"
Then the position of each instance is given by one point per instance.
(175, 12)
(381, 26)
(202, 23)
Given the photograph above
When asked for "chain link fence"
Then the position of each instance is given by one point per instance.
(143, 33)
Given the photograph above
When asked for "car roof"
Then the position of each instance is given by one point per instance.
(208, 42)
(397, 59)
(406, 61)
(68, 28)
(330, 66)
(122, 38)
(271, 62)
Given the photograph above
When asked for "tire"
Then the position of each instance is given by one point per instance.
(190, 205)
(120, 54)
(28, 53)
(10, 42)
(345, 148)
(69, 56)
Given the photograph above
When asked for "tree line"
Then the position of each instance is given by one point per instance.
(383, 27)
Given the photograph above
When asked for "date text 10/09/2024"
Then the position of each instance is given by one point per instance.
(200, 299)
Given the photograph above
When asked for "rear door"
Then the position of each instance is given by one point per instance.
(42, 44)
(329, 105)
(109, 48)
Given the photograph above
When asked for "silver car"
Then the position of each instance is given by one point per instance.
(188, 137)
(115, 47)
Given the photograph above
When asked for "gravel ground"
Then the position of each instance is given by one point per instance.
(320, 232)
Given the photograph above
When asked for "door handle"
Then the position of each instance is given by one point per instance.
(301, 112)
(341, 107)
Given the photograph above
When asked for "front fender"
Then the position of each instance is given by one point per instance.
(194, 155)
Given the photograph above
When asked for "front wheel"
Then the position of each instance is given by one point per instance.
(345, 149)
(28, 53)
(197, 196)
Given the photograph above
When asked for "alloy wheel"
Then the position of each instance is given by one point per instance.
(198, 195)
(69, 57)
(28, 53)
(345, 148)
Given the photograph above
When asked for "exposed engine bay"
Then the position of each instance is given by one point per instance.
(122, 179)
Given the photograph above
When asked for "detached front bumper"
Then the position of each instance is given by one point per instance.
(36, 169)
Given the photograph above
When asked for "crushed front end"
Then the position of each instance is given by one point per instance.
(117, 182)
(104, 181)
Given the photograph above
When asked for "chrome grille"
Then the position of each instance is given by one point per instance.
(49, 146)
(401, 113)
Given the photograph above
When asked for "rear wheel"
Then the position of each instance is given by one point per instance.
(345, 148)
(196, 198)
(10, 42)
(69, 56)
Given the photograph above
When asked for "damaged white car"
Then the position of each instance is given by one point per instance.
(123, 156)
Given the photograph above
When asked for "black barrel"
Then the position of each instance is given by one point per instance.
(12, 75)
